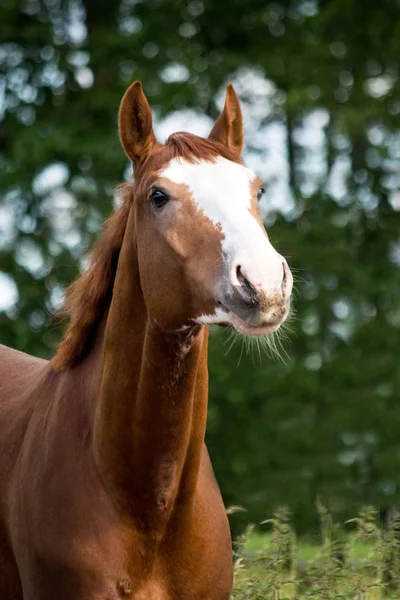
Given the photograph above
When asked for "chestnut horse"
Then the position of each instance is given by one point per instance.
(106, 487)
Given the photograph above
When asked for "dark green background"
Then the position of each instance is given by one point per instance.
(327, 423)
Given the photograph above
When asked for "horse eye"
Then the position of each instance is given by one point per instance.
(159, 199)
(260, 194)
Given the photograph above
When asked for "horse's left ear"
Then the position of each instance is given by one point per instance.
(228, 129)
(136, 124)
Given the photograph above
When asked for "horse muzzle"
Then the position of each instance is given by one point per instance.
(255, 309)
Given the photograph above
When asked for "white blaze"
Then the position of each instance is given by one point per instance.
(222, 190)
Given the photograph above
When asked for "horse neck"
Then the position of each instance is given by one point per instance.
(151, 412)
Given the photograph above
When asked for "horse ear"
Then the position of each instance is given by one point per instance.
(135, 124)
(228, 129)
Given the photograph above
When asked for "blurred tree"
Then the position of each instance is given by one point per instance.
(320, 88)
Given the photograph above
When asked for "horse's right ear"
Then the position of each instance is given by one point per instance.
(228, 129)
(136, 124)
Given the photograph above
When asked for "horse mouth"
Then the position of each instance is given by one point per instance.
(244, 327)
(249, 329)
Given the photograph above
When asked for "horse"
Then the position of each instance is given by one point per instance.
(106, 487)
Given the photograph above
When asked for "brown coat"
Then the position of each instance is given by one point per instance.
(106, 487)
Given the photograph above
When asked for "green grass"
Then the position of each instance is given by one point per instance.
(357, 561)
(259, 541)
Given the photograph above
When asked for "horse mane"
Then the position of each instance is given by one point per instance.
(87, 298)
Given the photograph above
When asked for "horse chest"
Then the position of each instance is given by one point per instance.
(88, 546)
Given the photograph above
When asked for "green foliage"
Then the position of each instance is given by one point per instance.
(320, 81)
(358, 567)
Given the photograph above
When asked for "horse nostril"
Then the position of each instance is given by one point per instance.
(286, 285)
(245, 283)
(240, 277)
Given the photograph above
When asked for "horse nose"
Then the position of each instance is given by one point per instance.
(249, 291)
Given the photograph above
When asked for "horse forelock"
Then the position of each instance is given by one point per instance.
(193, 148)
